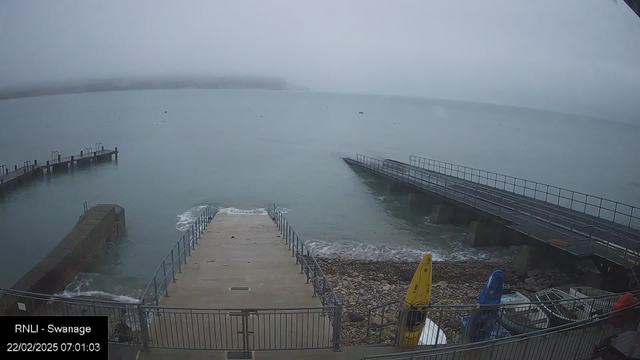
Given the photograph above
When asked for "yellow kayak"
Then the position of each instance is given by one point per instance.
(417, 299)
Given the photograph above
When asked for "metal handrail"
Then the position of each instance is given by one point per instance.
(444, 187)
(177, 256)
(475, 175)
(583, 324)
(308, 263)
(309, 266)
(572, 221)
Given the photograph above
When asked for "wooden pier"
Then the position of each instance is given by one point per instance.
(9, 179)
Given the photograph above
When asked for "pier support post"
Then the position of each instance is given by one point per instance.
(484, 234)
(528, 258)
(35, 163)
(16, 167)
(442, 214)
(417, 200)
(116, 153)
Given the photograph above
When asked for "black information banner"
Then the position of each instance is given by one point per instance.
(46, 337)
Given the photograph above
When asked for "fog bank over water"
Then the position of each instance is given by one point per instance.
(574, 56)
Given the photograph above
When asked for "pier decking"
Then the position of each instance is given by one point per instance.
(540, 213)
(11, 178)
(243, 268)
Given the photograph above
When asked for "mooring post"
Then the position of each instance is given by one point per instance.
(71, 160)
(59, 157)
(116, 153)
(16, 167)
(35, 163)
(102, 148)
(81, 155)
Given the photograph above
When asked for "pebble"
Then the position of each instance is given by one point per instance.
(364, 284)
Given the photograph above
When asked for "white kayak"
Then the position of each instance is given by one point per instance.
(432, 333)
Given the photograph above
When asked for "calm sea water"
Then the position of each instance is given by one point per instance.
(249, 149)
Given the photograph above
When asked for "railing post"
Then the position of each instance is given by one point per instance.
(173, 268)
(306, 261)
(337, 327)
(300, 257)
(155, 289)
(315, 279)
(324, 290)
(144, 329)
(179, 259)
(164, 270)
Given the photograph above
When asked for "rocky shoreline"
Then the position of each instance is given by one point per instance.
(366, 284)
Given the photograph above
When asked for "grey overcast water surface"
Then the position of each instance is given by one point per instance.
(249, 149)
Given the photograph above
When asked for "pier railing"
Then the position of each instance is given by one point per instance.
(126, 323)
(171, 264)
(309, 265)
(610, 210)
(541, 226)
(571, 341)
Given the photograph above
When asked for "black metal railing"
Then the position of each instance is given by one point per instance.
(570, 341)
(543, 225)
(457, 324)
(241, 329)
(126, 325)
(610, 210)
(310, 267)
(171, 264)
(189, 328)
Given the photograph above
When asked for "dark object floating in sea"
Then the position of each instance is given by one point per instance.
(361, 113)
(165, 111)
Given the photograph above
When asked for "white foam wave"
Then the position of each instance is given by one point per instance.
(187, 218)
(234, 211)
(363, 251)
(98, 295)
(80, 288)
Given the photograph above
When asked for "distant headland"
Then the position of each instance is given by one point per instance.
(215, 82)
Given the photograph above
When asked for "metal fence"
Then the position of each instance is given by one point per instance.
(310, 267)
(542, 225)
(568, 342)
(459, 324)
(171, 264)
(126, 323)
(308, 264)
(190, 328)
(610, 210)
(242, 329)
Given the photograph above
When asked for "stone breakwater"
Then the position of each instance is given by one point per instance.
(363, 284)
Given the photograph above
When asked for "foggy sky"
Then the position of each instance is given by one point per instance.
(577, 56)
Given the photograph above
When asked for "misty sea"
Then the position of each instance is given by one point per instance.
(243, 150)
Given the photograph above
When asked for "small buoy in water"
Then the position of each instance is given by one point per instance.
(361, 113)
(165, 111)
